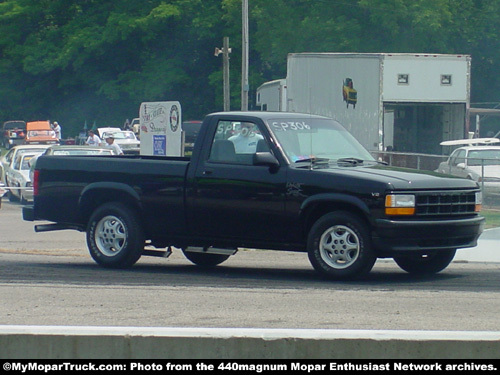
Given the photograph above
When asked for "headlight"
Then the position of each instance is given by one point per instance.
(400, 204)
(479, 201)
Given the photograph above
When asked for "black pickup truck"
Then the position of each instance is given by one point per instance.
(279, 181)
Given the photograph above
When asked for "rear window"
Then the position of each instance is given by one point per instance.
(15, 125)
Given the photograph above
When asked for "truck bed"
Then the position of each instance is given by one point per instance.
(153, 184)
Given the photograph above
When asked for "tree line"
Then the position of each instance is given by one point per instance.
(96, 60)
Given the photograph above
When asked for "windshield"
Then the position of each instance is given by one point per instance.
(15, 125)
(313, 138)
(41, 133)
(484, 157)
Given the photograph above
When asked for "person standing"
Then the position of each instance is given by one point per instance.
(110, 143)
(57, 129)
(245, 142)
(93, 139)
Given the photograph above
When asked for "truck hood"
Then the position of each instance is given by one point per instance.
(403, 179)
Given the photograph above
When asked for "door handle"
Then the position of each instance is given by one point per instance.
(207, 172)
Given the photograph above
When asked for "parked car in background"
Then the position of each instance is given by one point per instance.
(7, 160)
(126, 139)
(78, 150)
(12, 133)
(477, 163)
(18, 178)
(191, 130)
(66, 150)
(40, 132)
(3, 191)
(135, 126)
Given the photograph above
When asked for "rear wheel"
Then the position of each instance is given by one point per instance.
(11, 195)
(205, 260)
(23, 199)
(114, 236)
(425, 264)
(339, 246)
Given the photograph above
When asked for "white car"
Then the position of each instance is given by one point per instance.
(478, 163)
(3, 191)
(18, 178)
(78, 150)
(126, 139)
(7, 160)
(65, 150)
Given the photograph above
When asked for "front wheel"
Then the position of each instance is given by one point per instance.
(425, 264)
(114, 236)
(339, 246)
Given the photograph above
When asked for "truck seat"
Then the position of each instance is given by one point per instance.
(223, 151)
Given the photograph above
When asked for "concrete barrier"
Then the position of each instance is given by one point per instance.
(60, 342)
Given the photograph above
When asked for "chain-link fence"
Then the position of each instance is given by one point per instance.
(486, 172)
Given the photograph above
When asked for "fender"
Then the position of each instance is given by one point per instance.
(332, 198)
(108, 186)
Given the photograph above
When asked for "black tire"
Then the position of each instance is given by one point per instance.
(339, 246)
(425, 264)
(205, 260)
(114, 236)
(22, 199)
(12, 197)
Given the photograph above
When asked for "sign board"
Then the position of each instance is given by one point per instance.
(160, 129)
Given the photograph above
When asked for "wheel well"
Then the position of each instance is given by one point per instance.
(322, 208)
(97, 197)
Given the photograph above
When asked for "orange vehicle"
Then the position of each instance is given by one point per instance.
(40, 132)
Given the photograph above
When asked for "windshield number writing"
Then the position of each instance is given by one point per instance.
(290, 126)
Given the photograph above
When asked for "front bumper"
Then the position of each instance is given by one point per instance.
(15, 141)
(395, 236)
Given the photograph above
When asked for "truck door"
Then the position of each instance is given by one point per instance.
(232, 198)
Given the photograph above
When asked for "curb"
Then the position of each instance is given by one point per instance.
(58, 342)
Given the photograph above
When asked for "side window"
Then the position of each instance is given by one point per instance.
(237, 142)
(17, 163)
(459, 158)
(8, 157)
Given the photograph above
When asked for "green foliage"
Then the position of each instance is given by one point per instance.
(89, 60)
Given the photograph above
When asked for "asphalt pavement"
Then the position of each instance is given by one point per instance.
(487, 249)
(11, 225)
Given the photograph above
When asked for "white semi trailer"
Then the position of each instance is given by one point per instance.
(404, 102)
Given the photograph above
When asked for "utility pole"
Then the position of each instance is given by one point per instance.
(225, 61)
(244, 56)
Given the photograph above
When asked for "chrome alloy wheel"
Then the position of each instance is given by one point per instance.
(110, 235)
(339, 247)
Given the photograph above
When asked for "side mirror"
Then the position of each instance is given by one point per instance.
(265, 158)
(461, 165)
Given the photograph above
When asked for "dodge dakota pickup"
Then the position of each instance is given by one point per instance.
(262, 180)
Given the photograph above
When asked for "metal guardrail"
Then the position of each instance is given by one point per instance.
(426, 162)
(429, 162)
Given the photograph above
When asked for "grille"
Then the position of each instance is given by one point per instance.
(445, 203)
